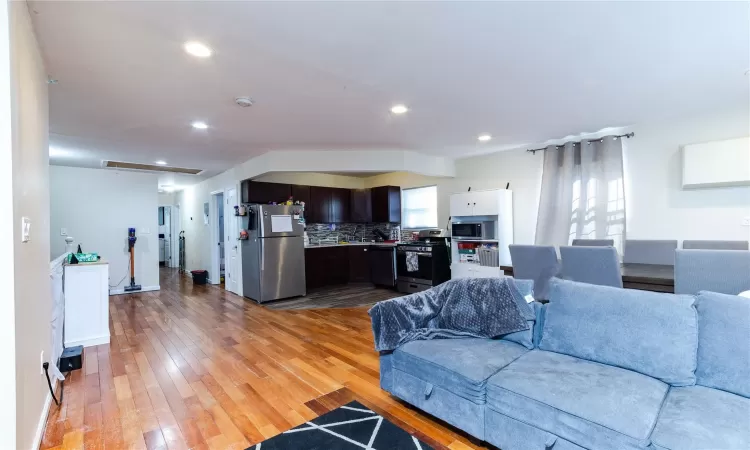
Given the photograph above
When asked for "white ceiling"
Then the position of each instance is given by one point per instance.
(324, 74)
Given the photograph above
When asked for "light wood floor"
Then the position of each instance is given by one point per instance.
(198, 367)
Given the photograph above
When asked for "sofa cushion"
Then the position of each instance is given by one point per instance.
(524, 337)
(651, 333)
(589, 404)
(456, 410)
(724, 342)
(698, 417)
(461, 366)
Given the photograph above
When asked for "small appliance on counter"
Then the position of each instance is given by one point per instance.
(273, 256)
(423, 263)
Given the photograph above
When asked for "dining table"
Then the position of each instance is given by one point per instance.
(644, 277)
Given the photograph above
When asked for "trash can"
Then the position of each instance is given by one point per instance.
(199, 276)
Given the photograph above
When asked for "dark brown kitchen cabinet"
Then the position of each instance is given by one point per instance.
(326, 266)
(301, 193)
(245, 191)
(263, 192)
(359, 264)
(382, 266)
(360, 209)
(320, 205)
(386, 204)
(339, 205)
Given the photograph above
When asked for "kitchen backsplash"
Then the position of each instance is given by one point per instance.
(354, 231)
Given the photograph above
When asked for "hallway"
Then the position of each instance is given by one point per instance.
(199, 367)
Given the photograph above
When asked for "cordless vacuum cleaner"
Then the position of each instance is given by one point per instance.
(131, 248)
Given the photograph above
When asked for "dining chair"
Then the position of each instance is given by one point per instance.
(715, 245)
(723, 271)
(594, 242)
(535, 262)
(637, 251)
(593, 265)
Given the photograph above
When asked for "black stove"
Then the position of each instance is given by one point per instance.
(423, 263)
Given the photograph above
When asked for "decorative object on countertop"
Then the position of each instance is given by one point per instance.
(350, 426)
(463, 308)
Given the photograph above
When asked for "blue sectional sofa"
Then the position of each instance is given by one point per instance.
(602, 368)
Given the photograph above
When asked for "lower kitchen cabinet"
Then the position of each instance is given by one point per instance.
(325, 266)
(359, 264)
(328, 266)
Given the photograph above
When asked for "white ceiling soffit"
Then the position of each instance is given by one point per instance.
(324, 75)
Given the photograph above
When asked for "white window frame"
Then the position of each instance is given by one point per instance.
(403, 208)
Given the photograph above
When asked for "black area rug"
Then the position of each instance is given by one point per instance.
(350, 427)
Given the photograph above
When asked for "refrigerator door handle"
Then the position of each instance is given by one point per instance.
(262, 256)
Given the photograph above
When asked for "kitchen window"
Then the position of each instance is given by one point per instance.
(419, 207)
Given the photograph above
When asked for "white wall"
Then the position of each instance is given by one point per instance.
(97, 207)
(30, 283)
(657, 207)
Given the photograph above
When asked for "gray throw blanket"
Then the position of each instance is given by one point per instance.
(467, 307)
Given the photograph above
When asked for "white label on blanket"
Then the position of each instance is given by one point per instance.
(529, 298)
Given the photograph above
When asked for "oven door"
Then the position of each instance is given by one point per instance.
(413, 266)
(466, 230)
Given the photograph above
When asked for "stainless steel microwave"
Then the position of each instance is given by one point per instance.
(473, 230)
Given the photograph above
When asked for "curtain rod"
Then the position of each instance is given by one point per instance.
(628, 135)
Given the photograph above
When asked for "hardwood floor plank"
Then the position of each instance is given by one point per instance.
(196, 367)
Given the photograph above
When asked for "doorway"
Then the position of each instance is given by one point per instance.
(224, 233)
(165, 236)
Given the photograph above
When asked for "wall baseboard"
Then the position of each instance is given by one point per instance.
(37, 442)
(119, 291)
(89, 342)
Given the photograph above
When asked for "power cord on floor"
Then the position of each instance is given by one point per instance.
(127, 272)
(49, 383)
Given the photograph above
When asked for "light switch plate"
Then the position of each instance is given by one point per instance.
(145, 231)
(746, 222)
(25, 229)
(63, 231)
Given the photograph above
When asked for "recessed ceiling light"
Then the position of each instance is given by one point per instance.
(198, 125)
(484, 137)
(161, 163)
(399, 109)
(197, 49)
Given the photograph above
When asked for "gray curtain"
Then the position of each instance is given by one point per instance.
(583, 193)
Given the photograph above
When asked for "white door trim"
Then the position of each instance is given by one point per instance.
(214, 272)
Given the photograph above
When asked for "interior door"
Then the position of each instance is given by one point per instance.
(231, 242)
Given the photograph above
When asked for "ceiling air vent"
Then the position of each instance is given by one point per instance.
(149, 167)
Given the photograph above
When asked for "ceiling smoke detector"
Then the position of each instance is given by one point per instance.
(244, 101)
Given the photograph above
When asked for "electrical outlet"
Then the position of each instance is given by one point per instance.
(41, 363)
(746, 222)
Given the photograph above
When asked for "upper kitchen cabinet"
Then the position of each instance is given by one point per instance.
(386, 204)
(360, 210)
(319, 208)
(461, 204)
(340, 199)
(262, 192)
(301, 193)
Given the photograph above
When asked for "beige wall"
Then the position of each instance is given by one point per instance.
(313, 179)
(33, 309)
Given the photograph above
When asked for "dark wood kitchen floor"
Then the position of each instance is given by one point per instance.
(199, 367)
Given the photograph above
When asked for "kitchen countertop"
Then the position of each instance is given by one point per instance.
(331, 244)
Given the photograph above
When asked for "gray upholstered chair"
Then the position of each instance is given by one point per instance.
(535, 262)
(715, 245)
(593, 265)
(649, 252)
(594, 242)
(723, 271)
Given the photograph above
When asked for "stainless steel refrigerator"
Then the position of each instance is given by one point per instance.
(273, 256)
